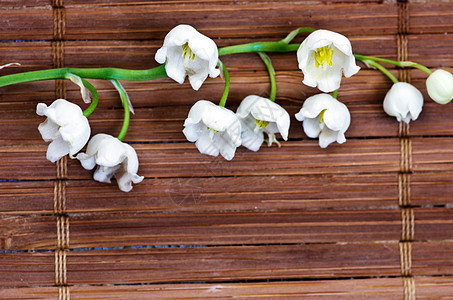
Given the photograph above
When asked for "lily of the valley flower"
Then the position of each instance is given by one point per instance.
(323, 56)
(113, 158)
(214, 129)
(188, 53)
(403, 101)
(66, 127)
(258, 115)
(326, 117)
(440, 86)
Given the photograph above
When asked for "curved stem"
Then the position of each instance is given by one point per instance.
(94, 101)
(271, 71)
(382, 69)
(94, 73)
(123, 96)
(226, 90)
(401, 64)
(294, 33)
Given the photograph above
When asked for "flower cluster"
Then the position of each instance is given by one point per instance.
(324, 57)
(68, 130)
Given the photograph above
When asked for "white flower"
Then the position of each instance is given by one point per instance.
(258, 115)
(326, 117)
(65, 126)
(403, 101)
(323, 56)
(188, 52)
(113, 158)
(440, 86)
(214, 129)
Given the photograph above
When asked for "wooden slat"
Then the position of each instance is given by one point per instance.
(430, 17)
(383, 288)
(114, 230)
(294, 158)
(204, 264)
(26, 197)
(135, 23)
(250, 193)
(226, 228)
(374, 288)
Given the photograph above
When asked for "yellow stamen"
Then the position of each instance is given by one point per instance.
(261, 123)
(207, 128)
(321, 116)
(187, 51)
(323, 56)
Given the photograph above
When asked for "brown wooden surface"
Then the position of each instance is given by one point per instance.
(289, 222)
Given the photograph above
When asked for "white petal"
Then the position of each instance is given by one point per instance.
(212, 115)
(193, 132)
(131, 161)
(311, 127)
(206, 146)
(125, 180)
(198, 71)
(87, 162)
(226, 147)
(265, 110)
(161, 55)
(251, 139)
(337, 116)
(313, 106)
(104, 174)
(403, 99)
(48, 130)
(76, 134)
(326, 137)
(57, 149)
(110, 153)
(175, 64)
(440, 86)
(246, 105)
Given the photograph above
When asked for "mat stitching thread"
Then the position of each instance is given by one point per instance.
(404, 178)
(62, 221)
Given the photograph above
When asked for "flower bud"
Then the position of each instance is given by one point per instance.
(403, 101)
(440, 86)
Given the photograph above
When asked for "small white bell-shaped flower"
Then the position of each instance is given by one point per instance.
(403, 101)
(323, 56)
(187, 52)
(113, 158)
(259, 115)
(440, 86)
(325, 117)
(66, 128)
(214, 129)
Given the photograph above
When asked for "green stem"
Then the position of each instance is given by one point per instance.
(140, 75)
(226, 90)
(401, 64)
(335, 94)
(124, 99)
(294, 33)
(278, 46)
(96, 73)
(271, 71)
(94, 101)
(382, 69)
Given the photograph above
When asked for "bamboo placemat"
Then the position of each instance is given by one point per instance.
(371, 218)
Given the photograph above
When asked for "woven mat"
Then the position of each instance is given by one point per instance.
(371, 218)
